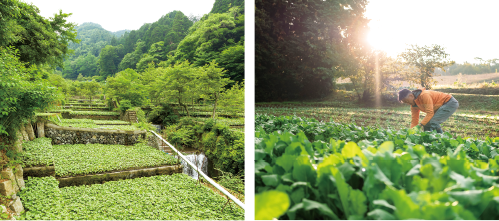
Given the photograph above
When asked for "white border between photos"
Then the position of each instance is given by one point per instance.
(249, 102)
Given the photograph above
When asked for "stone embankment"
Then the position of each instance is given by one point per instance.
(71, 135)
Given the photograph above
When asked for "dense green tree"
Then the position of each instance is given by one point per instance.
(232, 99)
(107, 61)
(179, 83)
(93, 38)
(130, 60)
(157, 50)
(89, 65)
(232, 59)
(145, 61)
(126, 85)
(114, 42)
(76, 88)
(425, 59)
(91, 88)
(223, 6)
(211, 83)
(210, 37)
(38, 40)
(149, 79)
(301, 46)
(59, 82)
(20, 96)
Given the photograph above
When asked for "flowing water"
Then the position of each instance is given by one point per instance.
(199, 160)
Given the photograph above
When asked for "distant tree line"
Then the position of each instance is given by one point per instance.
(173, 38)
(481, 67)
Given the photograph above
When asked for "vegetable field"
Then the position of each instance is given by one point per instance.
(311, 169)
(82, 159)
(465, 124)
(174, 197)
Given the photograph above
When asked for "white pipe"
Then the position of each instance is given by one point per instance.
(239, 203)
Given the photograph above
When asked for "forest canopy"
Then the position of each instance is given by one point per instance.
(175, 37)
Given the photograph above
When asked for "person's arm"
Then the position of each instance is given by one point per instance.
(415, 116)
(427, 104)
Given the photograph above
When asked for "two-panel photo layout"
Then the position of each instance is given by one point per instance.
(249, 110)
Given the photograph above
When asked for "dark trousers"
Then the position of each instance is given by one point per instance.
(441, 115)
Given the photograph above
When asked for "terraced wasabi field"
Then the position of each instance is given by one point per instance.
(127, 182)
(82, 159)
(168, 197)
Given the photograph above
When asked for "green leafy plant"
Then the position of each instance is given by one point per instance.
(125, 105)
(80, 159)
(166, 197)
(163, 114)
(341, 171)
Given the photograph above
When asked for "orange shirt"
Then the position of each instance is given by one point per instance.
(429, 102)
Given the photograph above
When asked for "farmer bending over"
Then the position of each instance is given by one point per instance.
(438, 107)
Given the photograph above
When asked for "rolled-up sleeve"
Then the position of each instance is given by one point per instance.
(415, 116)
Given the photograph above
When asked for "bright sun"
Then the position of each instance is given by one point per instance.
(376, 40)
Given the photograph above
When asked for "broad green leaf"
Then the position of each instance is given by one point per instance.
(271, 180)
(379, 214)
(308, 205)
(384, 203)
(286, 161)
(303, 170)
(386, 147)
(270, 204)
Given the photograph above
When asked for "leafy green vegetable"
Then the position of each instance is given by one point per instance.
(367, 173)
(270, 204)
(38, 152)
(168, 197)
(82, 159)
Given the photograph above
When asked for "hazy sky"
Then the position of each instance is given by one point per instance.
(115, 15)
(467, 29)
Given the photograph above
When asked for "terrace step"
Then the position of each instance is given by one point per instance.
(119, 175)
(43, 171)
(132, 116)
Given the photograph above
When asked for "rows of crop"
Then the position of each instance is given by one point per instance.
(312, 109)
(38, 152)
(102, 124)
(208, 113)
(459, 123)
(107, 127)
(102, 113)
(377, 179)
(226, 121)
(111, 122)
(324, 131)
(81, 159)
(174, 197)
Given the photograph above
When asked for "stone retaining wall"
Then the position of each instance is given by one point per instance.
(71, 135)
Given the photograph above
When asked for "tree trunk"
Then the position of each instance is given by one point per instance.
(215, 105)
(29, 130)
(185, 107)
